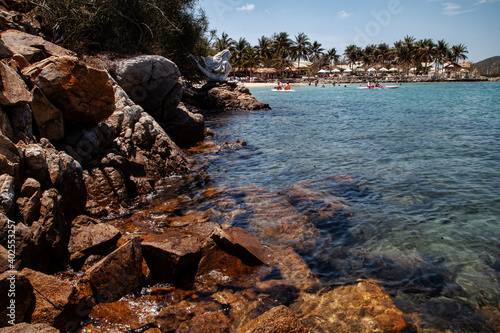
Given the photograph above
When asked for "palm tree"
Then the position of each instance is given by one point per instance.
(425, 50)
(282, 60)
(385, 54)
(332, 56)
(300, 47)
(251, 59)
(316, 54)
(265, 50)
(403, 54)
(441, 51)
(281, 41)
(239, 51)
(223, 43)
(353, 54)
(459, 52)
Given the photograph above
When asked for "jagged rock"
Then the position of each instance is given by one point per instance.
(23, 241)
(5, 52)
(33, 48)
(35, 162)
(48, 118)
(222, 97)
(82, 93)
(57, 300)
(279, 319)
(14, 91)
(10, 161)
(185, 128)
(117, 274)
(152, 82)
(24, 298)
(171, 254)
(29, 328)
(5, 127)
(363, 307)
(21, 122)
(51, 232)
(92, 238)
(7, 193)
(28, 202)
(4, 259)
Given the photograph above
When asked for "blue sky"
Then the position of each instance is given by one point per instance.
(475, 23)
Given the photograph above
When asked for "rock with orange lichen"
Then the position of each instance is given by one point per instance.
(362, 307)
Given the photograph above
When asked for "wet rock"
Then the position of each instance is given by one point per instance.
(363, 307)
(57, 300)
(92, 238)
(82, 93)
(14, 92)
(169, 255)
(241, 243)
(33, 48)
(24, 298)
(279, 319)
(152, 82)
(29, 328)
(48, 118)
(192, 316)
(117, 274)
(121, 316)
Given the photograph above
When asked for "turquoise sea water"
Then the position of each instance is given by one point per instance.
(428, 158)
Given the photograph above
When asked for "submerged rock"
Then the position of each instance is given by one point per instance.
(279, 319)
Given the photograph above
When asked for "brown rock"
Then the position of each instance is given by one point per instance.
(33, 48)
(18, 283)
(48, 118)
(14, 92)
(242, 244)
(117, 274)
(211, 322)
(9, 157)
(28, 202)
(121, 314)
(185, 128)
(93, 238)
(29, 328)
(5, 126)
(21, 123)
(363, 307)
(277, 320)
(4, 259)
(57, 300)
(23, 241)
(169, 255)
(5, 52)
(82, 93)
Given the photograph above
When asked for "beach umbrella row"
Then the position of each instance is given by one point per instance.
(348, 70)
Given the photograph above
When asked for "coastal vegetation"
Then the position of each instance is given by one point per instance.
(169, 28)
(280, 50)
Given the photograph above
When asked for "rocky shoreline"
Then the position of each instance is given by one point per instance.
(100, 231)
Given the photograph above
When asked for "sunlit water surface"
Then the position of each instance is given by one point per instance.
(427, 156)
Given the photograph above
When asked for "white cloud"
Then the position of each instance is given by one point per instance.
(452, 9)
(343, 14)
(248, 7)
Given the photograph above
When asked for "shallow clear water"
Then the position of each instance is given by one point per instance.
(428, 156)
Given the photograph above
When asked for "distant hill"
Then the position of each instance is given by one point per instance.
(488, 66)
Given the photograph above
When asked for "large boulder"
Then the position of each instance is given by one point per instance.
(217, 97)
(14, 92)
(48, 118)
(82, 93)
(33, 48)
(17, 285)
(57, 301)
(279, 319)
(185, 127)
(152, 81)
(118, 274)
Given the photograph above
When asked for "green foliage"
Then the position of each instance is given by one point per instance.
(173, 28)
